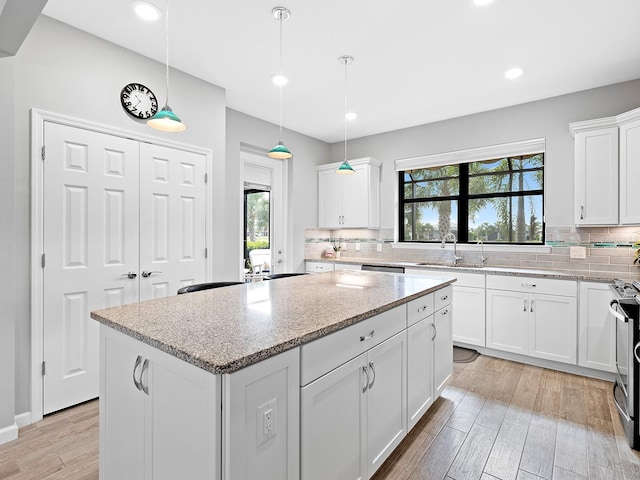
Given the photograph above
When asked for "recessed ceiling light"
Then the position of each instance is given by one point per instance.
(351, 115)
(146, 11)
(482, 3)
(513, 73)
(279, 79)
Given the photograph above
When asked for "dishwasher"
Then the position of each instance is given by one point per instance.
(383, 268)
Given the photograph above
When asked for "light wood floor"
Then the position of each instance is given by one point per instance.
(496, 420)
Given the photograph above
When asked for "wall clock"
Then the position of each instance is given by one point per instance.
(138, 101)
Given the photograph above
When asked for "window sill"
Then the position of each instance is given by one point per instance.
(475, 247)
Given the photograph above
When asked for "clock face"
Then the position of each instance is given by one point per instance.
(138, 101)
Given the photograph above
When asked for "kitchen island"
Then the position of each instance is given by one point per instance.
(244, 381)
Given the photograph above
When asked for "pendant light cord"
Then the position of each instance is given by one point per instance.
(166, 30)
(281, 73)
(345, 108)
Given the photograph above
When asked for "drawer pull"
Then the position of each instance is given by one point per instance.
(524, 307)
(370, 386)
(366, 383)
(444, 312)
(137, 383)
(444, 297)
(367, 337)
(528, 285)
(422, 309)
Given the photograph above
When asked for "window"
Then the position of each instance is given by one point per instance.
(256, 220)
(496, 201)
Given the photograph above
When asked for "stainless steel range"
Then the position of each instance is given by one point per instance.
(626, 389)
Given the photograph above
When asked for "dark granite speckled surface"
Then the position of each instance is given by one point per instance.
(226, 329)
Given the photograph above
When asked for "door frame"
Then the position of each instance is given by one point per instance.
(278, 200)
(37, 121)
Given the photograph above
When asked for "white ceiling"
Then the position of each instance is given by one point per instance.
(416, 61)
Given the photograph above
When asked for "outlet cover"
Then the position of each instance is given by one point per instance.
(357, 246)
(379, 247)
(266, 421)
(577, 252)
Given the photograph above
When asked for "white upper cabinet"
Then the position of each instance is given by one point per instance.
(607, 160)
(629, 167)
(349, 201)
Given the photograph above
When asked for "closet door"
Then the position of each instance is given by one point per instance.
(91, 243)
(172, 220)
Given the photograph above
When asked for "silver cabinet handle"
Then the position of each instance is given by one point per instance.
(444, 297)
(130, 275)
(444, 312)
(524, 306)
(635, 352)
(615, 313)
(422, 309)
(435, 331)
(366, 384)
(135, 367)
(370, 386)
(526, 285)
(145, 367)
(581, 212)
(146, 273)
(367, 337)
(615, 400)
(531, 306)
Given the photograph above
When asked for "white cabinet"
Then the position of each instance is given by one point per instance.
(429, 351)
(353, 417)
(347, 266)
(629, 167)
(541, 324)
(596, 327)
(158, 415)
(318, 267)
(349, 201)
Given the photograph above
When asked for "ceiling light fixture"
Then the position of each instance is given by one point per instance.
(147, 11)
(513, 73)
(280, 151)
(165, 120)
(345, 168)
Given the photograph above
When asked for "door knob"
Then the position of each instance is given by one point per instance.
(146, 274)
(279, 260)
(130, 274)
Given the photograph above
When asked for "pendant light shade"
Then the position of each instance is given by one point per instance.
(280, 151)
(165, 120)
(345, 168)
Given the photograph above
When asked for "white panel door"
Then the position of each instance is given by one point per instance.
(553, 326)
(172, 220)
(629, 173)
(507, 321)
(90, 243)
(419, 370)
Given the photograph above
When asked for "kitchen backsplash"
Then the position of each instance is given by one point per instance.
(608, 250)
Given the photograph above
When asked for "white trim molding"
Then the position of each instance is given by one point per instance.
(8, 434)
(524, 147)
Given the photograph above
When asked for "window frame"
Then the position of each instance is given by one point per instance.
(463, 196)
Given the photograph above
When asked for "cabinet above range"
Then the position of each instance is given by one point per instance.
(349, 201)
(607, 166)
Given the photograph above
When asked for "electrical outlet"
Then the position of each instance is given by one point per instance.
(266, 421)
(577, 252)
(379, 247)
(357, 246)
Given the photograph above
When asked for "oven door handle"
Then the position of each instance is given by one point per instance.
(615, 400)
(635, 352)
(615, 313)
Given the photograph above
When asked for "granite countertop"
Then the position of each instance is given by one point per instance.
(507, 271)
(225, 329)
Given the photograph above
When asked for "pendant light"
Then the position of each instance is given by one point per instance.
(280, 151)
(345, 168)
(165, 120)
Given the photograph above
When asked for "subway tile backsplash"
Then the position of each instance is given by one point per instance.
(609, 251)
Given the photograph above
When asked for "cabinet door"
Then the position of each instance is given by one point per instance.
(329, 199)
(469, 320)
(183, 412)
(553, 327)
(355, 198)
(596, 327)
(596, 174)
(419, 370)
(122, 407)
(332, 424)
(507, 321)
(442, 349)
(630, 173)
(386, 399)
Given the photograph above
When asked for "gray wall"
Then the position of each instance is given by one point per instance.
(63, 70)
(545, 118)
(302, 211)
(7, 244)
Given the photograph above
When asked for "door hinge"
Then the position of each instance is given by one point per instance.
(43, 369)
(43, 261)
(43, 152)
(206, 252)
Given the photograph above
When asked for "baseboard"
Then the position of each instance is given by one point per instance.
(8, 434)
(23, 419)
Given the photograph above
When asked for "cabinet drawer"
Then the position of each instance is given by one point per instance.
(326, 353)
(533, 285)
(463, 279)
(443, 297)
(319, 267)
(420, 308)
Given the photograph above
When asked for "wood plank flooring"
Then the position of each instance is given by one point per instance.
(496, 420)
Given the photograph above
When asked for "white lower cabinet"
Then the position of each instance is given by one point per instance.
(442, 349)
(419, 370)
(596, 327)
(159, 416)
(541, 325)
(353, 417)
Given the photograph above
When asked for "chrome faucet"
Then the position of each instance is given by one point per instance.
(483, 259)
(451, 236)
